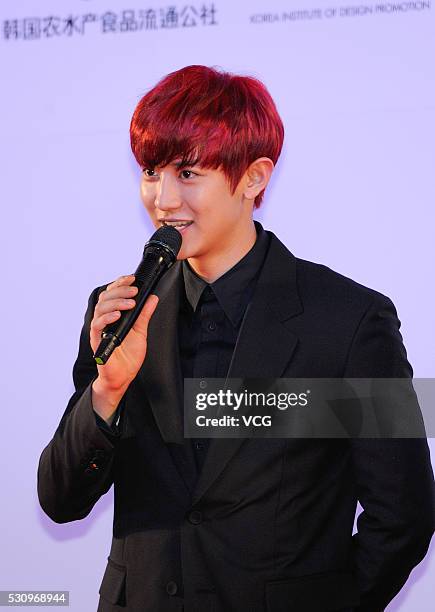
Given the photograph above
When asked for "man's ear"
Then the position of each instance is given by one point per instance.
(257, 176)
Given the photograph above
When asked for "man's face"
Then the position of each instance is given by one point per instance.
(200, 198)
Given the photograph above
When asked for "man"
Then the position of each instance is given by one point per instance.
(233, 525)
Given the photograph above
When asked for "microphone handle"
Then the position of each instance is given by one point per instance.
(147, 275)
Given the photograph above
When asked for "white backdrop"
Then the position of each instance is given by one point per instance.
(354, 189)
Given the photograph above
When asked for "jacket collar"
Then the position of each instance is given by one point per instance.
(233, 289)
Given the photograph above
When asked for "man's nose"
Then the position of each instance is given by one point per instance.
(167, 194)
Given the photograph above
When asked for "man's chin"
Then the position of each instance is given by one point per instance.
(186, 253)
(189, 250)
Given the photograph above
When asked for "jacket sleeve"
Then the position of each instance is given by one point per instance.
(76, 467)
(393, 475)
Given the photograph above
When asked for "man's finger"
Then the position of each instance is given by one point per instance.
(122, 280)
(147, 311)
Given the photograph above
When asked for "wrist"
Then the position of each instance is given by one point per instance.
(105, 400)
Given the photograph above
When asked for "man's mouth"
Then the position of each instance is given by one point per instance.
(177, 224)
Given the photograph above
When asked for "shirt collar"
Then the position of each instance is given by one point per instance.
(234, 288)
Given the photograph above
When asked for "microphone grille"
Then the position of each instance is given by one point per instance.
(169, 236)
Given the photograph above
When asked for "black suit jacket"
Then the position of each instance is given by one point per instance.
(267, 525)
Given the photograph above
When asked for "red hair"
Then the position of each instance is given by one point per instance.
(203, 116)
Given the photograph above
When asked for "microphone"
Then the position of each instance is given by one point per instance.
(159, 253)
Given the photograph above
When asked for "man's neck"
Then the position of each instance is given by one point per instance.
(213, 266)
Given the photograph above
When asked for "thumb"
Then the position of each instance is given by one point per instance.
(141, 324)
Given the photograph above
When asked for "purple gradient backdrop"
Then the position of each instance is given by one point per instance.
(354, 189)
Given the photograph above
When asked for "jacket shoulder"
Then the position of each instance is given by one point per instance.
(318, 281)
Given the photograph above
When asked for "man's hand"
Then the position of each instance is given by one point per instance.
(115, 376)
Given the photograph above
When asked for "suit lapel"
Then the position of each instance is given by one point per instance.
(264, 346)
(161, 374)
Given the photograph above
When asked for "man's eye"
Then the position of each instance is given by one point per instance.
(187, 173)
(149, 172)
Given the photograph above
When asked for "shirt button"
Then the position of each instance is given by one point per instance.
(195, 517)
(171, 587)
(199, 445)
(211, 326)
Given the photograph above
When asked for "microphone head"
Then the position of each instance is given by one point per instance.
(168, 237)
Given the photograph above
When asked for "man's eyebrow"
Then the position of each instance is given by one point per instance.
(183, 163)
(177, 163)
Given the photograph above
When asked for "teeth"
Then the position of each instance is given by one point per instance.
(177, 223)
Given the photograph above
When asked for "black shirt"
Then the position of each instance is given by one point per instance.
(210, 319)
